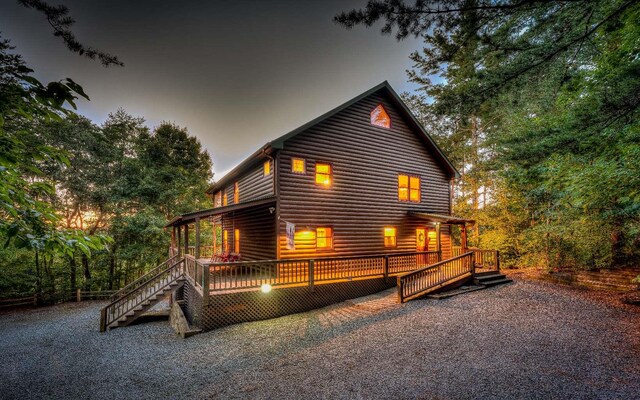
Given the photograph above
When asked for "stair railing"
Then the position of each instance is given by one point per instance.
(424, 280)
(144, 290)
(135, 284)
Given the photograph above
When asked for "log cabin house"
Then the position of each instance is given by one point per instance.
(353, 202)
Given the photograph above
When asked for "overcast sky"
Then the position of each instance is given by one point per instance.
(235, 73)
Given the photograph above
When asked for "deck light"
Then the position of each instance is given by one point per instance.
(266, 288)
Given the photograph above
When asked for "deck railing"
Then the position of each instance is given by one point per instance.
(485, 259)
(152, 284)
(254, 274)
(138, 282)
(419, 282)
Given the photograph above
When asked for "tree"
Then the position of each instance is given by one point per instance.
(554, 88)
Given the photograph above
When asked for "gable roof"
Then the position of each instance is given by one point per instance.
(278, 143)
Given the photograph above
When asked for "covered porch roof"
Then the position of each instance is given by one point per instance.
(191, 217)
(441, 218)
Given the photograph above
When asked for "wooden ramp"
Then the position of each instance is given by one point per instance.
(427, 280)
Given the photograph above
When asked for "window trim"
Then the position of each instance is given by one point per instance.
(330, 248)
(315, 174)
(304, 166)
(409, 176)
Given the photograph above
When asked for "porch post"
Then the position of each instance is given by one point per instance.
(197, 252)
(173, 241)
(463, 238)
(179, 240)
(438, 241)
(186, 239)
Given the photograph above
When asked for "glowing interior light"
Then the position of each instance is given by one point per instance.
(266, 288)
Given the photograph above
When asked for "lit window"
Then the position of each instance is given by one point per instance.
(414, 189)
(217, 199)
(323, 174)
(225, 241)
(379, 117)
(389, 237)
(267, 168)
(409, 188)
(236, 241)
(236, 193)
(403, 187)
(324, 238)
(225, 200)
(298, 166)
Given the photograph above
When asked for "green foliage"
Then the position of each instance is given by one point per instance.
(537, 104)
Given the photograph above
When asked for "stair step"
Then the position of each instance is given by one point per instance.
(489, 277)
(494, 282)
(487, 273)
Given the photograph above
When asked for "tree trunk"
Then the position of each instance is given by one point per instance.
(87, 272)
(72, 274)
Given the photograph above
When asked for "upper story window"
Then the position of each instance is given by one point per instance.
(390, 238)
(217, 199)
(324, 238)
(323, 174)
(267, 168)
(379, 117)
(236, 193)
(298, 165)
(225, 198)
(409, 188)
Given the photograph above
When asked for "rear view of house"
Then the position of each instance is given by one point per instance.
(330, 211)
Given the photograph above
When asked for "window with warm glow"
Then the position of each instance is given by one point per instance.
(324, 238)
(298, 166)
(225, 241)
(390, 237)
(225, 200)
(403, 187)
(267, 167)
(323, 174)
(414, 189)
(379, 117)
(236, 193)
(409, 188)
(236, 241)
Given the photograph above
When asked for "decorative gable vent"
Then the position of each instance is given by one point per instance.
(379, 117)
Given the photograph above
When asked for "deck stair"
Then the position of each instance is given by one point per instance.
(490, 278)
(140, 296)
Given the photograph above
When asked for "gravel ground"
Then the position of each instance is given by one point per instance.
(523, 340)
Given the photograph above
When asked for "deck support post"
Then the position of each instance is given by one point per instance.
(386, 268)
(311, 265)
(497, 260)
(173, 241)
(197, 249)
(205, 284)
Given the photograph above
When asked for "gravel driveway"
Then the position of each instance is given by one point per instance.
(524, 340)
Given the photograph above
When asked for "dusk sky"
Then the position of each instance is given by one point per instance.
(235, 73)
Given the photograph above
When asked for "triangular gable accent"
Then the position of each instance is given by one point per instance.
(379, 117)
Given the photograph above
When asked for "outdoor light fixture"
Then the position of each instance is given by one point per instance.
(265, 288)
(271, 210)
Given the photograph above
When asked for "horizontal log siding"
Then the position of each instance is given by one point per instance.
(362, 200)
(253, 185)
(257, 232)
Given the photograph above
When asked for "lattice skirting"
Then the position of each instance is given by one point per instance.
(233, 308)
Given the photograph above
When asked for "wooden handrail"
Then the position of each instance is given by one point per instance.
(151, 286)
(133, 285)
(254, 274)
(424, 280)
